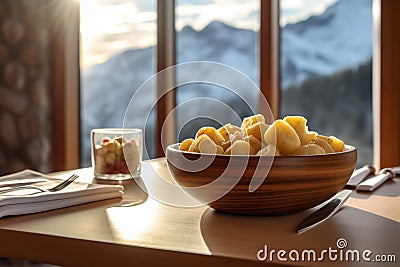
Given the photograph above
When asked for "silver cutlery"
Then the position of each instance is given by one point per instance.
(325, 212)
(372, 183)
(55, 188)
(360, 175)
(358, 181)
(7, 183)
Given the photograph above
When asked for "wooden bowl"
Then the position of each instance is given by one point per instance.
(293, 183)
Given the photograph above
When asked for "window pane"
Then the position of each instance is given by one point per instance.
(118, 39)
(218, 31)
(326, 76)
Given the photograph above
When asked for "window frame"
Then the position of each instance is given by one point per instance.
(386, 88)
(65, 85)
(166, 57)
(386, 83)
(270, 55)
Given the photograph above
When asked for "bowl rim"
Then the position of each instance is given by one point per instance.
(175, 148)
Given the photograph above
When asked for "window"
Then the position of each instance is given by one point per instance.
(218, 31)
(118, 40)
(269, 73)
(326, 68)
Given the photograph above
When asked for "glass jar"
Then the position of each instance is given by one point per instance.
(116, 153)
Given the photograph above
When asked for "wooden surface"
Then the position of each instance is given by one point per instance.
(139, 231)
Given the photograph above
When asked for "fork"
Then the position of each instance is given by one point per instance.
(56, 188)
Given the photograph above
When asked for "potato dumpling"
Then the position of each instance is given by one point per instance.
(207, 146)
(239, 147)
(220, 150)
(298, 123)
(255, 145)
(238, 135)
(227, 130)
(184, 146)
(281, 134)
(309, 149)
(225, 145)
(269, 150)
(324, 144)
(247, 122)
(212, 133)
(224, 133)
(335, 143)
(257, 130)
(287, 136)
(194, 147)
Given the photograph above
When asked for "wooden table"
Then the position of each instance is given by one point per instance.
(139, 231)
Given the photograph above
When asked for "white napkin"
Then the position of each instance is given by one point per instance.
(19, 202)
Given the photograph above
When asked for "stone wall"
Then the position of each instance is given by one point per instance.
(25, 119)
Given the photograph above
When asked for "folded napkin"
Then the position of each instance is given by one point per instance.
(24, 202)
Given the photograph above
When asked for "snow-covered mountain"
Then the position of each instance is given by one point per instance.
(341, 37)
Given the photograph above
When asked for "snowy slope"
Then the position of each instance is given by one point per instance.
(339, 38)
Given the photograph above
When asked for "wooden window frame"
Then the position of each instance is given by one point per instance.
(65, 85)
(386, 83)
(166, 57)
(269, 55)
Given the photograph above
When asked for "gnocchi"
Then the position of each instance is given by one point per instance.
(227, 130)
(257, 130)
(212, 133)
(324, 144)
(284, 137)
(185, 145)
(247, 122)
(298, 123)
(239, 147)
(309, 149)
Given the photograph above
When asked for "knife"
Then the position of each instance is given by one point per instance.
(359, 175)
(325, 212)
(374, 182)
(21, 182)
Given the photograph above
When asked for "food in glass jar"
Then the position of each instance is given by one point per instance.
(112, 154)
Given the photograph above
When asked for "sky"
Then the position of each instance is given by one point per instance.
(112, 26)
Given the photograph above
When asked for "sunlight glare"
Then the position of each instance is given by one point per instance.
(132, 223)
(98, 19)
(109, 27)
